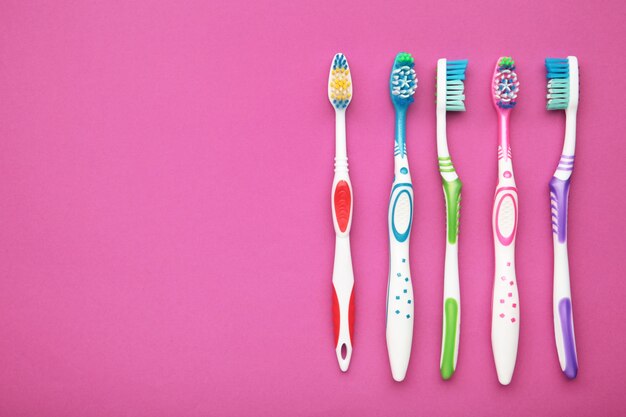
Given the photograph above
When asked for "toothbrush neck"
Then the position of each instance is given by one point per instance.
(503, 134)
(400, 132)
(442, 140)
(569, 145)
(341, 153)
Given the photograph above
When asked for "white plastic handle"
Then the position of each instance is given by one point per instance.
(343, 286)
(562, 296)
(451, 288)
(343, 275)
(451, 324)
(563, 314)
(400, 290)
(505, 303)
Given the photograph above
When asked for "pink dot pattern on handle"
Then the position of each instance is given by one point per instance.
(507, 306)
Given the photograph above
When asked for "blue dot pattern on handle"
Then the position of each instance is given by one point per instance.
(398, 298)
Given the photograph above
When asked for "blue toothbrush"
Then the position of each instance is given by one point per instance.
(399, 327)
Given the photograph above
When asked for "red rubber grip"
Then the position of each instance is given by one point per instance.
(343, 204)
(337, 316)
(351, 317)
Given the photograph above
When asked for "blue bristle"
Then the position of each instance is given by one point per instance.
(557, 68)
(507, 67)
(455, 70)
(340, 62)
(509, 105)
(341, 104)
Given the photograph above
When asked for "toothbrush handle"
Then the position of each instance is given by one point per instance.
(451, 290)
(562, 297)
(505, 303)
(399, 328)
(343, 275)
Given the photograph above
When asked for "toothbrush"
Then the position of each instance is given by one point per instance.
(562, 74)
(505, 303)
(340, 95)
(450, 88)
(399, 318)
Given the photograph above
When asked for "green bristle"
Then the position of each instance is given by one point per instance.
(404, 58)
(558, 94)
(506, 62)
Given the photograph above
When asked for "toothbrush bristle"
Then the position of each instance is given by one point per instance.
(557, 72)
(505, 84)
(403, 79)
(455, 74)
(340, 83)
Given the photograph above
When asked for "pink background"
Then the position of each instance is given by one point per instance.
(165, 231)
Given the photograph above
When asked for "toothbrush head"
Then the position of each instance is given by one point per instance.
(562, 74)
(339, 83)
(403, 81)
(505, 85)
(450, 87)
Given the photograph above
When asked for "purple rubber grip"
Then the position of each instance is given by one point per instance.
(569, 346)
(559, 191)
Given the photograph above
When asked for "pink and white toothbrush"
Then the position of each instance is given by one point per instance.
(505, 303)
(340, 94)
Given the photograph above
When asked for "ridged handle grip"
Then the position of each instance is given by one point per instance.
(343, 303)
(399, 328)
(451, 288)
(343, 274)
(562, 301)
(505, 303)
(342, 204)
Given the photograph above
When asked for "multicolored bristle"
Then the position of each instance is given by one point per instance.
(558, 74)
(455, 74)
(403, 80)
(340, 83)
(505, 84)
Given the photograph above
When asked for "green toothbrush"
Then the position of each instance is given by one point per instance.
(450, 76)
